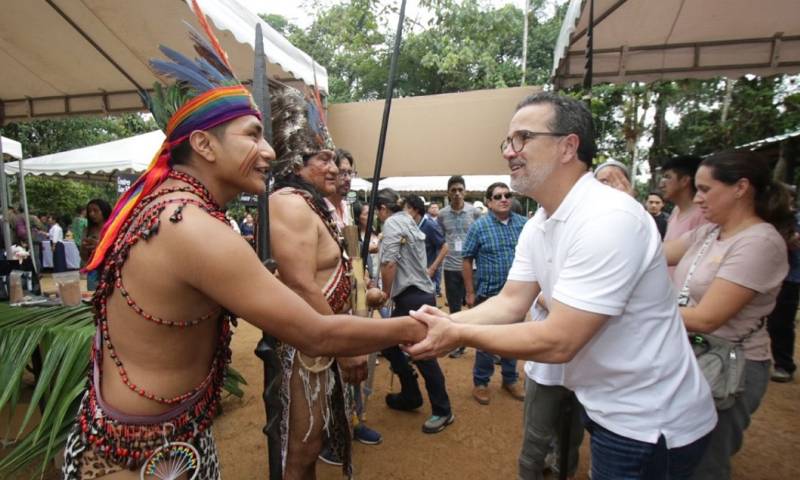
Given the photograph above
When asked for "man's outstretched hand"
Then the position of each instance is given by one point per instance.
(442, 334)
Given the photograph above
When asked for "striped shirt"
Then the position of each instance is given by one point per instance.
(455, 224)
(491, 243)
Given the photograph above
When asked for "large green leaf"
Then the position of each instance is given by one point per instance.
(63, 336)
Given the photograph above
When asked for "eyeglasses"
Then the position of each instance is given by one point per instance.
(518, 139)
(499, 196)
(347, 174)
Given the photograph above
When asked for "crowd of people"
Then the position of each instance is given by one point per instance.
(596, 292)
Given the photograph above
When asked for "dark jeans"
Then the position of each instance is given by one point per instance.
(781, 326)
(454, 290)
(615, 457)
(437, 281)
(413, 298)
(483, 369)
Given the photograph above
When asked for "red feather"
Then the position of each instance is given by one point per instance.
(201, 19)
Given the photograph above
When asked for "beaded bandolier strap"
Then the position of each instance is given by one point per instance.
(130, 440)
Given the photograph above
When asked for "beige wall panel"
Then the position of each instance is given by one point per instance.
(457, 133)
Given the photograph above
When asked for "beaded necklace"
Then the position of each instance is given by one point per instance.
(131, 442)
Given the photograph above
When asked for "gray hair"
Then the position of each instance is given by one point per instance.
(571, 116)
(613, 163)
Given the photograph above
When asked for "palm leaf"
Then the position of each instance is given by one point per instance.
(64, 337)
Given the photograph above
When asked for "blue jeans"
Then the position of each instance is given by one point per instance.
(483, 369)
(615, 457)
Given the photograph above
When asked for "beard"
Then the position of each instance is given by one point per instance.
(532, 179)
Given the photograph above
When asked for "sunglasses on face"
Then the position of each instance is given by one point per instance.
(499, 196)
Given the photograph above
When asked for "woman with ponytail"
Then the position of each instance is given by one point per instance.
(728, 275)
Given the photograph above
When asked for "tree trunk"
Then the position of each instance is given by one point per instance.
(659, 138)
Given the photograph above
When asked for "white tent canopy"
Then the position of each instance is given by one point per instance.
(64, 57)
(129, 154)
(11, 148)
(648, 40)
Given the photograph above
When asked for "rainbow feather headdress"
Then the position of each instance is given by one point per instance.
(205, 94)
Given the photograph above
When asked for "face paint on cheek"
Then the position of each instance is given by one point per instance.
(247, 166)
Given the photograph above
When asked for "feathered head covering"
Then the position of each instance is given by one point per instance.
(205, 94)
(298, 129)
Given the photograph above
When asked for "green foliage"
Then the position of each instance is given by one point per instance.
(465, 46)
(63, 336)
(61, 196)
(687, 116)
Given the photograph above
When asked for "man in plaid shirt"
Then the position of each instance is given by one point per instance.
(490, 242)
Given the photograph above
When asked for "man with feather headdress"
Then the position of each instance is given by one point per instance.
(309, 250)
(174, 277)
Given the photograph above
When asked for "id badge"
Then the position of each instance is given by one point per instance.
(458, 244)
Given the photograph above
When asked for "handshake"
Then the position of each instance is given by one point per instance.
(443, 335)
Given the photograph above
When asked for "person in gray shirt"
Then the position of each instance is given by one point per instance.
(455, 219)
(405, 280)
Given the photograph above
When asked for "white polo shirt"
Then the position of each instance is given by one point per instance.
(550, 374)
(600, 252)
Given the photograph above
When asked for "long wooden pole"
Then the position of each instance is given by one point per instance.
(266, 349)
(387, 107)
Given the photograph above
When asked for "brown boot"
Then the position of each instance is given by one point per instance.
(515, 390)
(481, 394)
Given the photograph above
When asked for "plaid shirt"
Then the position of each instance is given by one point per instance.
(491, 244)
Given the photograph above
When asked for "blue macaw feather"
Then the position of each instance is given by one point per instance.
(178, 58)
(314, 119)
(210, 71)
(182, 74)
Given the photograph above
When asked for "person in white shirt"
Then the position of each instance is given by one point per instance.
(595, 255)
(56, 233)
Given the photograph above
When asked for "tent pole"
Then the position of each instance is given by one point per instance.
(4, 203)
(387, 107)
(266, 349)
(23, 197)
(588, 74)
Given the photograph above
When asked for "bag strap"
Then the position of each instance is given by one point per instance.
(685, 289)
(700, 254)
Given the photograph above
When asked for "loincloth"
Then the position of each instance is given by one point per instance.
(82, 461)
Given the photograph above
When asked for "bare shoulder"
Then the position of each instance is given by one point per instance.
(197, 236)
(291, 212)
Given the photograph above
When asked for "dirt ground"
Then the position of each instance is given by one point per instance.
(484, 440)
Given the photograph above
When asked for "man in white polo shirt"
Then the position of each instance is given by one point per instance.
(595, 255)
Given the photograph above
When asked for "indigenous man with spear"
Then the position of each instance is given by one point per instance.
(310, 252)
(174, 279)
